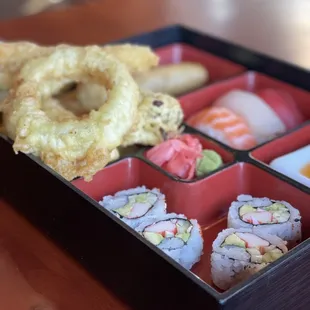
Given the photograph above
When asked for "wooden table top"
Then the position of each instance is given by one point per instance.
(33, 268)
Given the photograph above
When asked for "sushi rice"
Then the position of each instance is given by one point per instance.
(175, 235)
(134, 205)
(265, 215)
(239, 253)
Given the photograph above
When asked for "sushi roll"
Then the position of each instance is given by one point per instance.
(239, 253)
(266, 215)
(175, 235)
(134, 205)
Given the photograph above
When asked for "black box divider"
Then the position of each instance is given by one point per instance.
(124, 264)
(137, 272)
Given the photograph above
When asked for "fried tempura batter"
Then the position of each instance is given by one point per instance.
(75, 131)
(73, 147)
(14, 55)
(159, 115)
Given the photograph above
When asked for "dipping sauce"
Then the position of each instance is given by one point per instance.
(295, 165)
(305, 171)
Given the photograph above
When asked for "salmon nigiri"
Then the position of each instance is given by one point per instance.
(225, 126)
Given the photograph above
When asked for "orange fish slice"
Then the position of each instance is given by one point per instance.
(225, 126)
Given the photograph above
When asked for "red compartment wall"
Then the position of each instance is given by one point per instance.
(207, 200)
(283, 145)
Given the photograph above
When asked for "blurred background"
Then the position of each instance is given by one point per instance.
(280, 28)
(18, 8)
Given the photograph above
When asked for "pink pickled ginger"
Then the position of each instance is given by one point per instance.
(177, 156)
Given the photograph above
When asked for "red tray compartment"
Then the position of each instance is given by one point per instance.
(250, 81)
(227, 156)
(285, 145)
(219, 68)
(207, 200)
(282, 145)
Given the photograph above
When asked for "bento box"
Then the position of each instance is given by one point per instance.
(137, 270)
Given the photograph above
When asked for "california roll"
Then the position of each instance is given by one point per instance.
(177, 236)
(134, 205)
(266, 215)
(239, 253)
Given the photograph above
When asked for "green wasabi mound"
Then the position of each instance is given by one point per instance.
(209, 162)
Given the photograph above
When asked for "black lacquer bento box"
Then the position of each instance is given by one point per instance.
(132, 268)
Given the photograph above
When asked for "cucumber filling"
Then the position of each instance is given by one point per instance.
(260, 251)
(137, 206)
(273, 214)
(173, 233)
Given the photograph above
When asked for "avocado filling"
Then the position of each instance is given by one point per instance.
(273, 214)
(260, 250)
(176, 232)
(137, 206)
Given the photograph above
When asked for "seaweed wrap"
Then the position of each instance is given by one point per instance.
(134, 205)
(270, 216)
(239, 253)
(177, 236)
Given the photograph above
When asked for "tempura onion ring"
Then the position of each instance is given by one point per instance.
(13, 55)
(73, 148)
(159, 115)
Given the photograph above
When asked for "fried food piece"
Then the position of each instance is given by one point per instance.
(73, 148)
(91, 96)
(56, 111)
(137, 58)
(159, 115)
(173, 79)
(14, 55)
(159, 118)
(70, 102)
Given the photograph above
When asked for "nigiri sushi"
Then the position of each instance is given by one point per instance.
(284, 105)
(224, 125)
(263, 121)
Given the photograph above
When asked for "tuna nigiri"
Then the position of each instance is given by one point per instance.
(225, 126)
(284, 105)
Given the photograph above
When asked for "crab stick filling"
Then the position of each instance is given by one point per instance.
(273, 214)
(172, 233)
(137, 206)
(260, 251)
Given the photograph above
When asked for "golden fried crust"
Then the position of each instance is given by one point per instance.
(138, 58)
(91, 96)
(94, 160)
(159, 116)
(14, 55)
(72, 147)
(56, 111)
